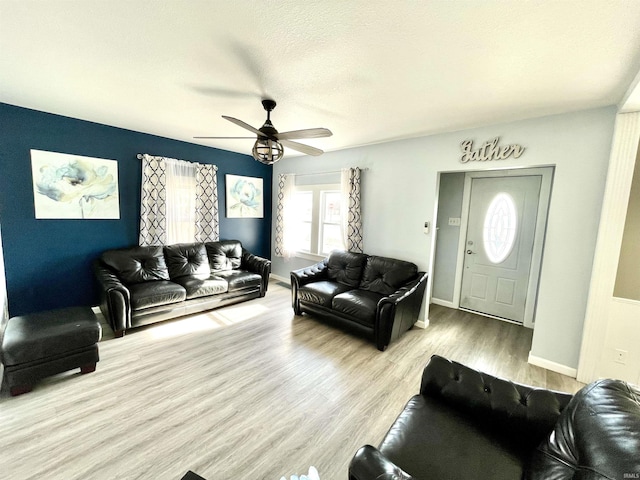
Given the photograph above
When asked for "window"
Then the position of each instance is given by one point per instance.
(500, 225)
(318, 217)
(180, 205)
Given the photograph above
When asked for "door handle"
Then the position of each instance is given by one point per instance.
(469, 252)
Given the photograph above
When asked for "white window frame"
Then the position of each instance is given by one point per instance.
(317, 221)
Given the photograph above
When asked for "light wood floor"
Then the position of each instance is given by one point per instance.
(245, 392)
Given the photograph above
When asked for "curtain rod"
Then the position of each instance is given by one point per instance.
(320, 173)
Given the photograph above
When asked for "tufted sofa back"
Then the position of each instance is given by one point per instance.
(187, 259)
(224, 255)
(596, 437)
(523, 414)
(386, 275)
(137, 264)
(143, 264)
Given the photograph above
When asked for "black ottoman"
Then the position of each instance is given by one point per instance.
(47, 343)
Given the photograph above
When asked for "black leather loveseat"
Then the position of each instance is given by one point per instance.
(379, 297)
(142, 285)
(468, 425)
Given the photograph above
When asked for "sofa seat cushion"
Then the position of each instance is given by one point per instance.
(321, 293)
(359, 304)
(432, 440)
(240, 279)
(152, 294)
(202, 286)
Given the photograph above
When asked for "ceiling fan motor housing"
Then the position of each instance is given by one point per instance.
(267, 151)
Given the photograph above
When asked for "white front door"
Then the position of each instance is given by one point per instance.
(499, 245)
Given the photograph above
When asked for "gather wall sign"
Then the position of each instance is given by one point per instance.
(489, 151)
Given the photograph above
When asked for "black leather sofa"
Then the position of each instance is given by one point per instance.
(468, 425)
(378, 297)
(143, 285)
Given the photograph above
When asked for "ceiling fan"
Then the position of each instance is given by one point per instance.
(268, 148)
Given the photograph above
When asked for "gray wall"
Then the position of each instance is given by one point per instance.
(446, 250)
(628, 277)
(399, 195)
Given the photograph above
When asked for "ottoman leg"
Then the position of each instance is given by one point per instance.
(88, 368)
(20, 389)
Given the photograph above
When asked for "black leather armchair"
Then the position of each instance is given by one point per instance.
(468, 425)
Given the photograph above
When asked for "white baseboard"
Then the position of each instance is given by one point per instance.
(553, 366)
(422, 323)
(280, 279)
(443, 303)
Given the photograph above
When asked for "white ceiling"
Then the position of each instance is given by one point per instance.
(369, 70)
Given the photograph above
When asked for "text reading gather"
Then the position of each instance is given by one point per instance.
(489, 151)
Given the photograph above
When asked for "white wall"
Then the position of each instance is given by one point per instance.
(399, 195)
(612, 323)
(628, 276)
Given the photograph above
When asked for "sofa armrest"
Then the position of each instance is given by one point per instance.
(302, 276)
(519, 412)
(115, 299)
(369, 464)
(396, 313)
(314, 273)
(261, 266)
(405, 292)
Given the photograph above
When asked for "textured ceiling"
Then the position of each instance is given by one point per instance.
(371, 71)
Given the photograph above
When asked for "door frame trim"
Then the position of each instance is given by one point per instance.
(546, 172)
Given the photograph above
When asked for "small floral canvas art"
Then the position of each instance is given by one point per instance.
(72, 186)
(244, 197)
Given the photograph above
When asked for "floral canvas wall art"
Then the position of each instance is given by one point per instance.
(244, 197)
(72, 186)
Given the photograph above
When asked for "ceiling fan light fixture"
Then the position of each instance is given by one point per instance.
(267, 151)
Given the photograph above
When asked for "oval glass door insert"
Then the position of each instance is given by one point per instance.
(500, 226)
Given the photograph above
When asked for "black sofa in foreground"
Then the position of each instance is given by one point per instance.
(378, 297)
(143, 285)
(468, 425)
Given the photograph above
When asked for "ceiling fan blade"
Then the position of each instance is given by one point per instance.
(230, 138)
(307, 133)
(244, 125)
(309, 150)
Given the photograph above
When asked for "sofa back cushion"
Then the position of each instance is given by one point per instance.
(522, 415)
(187, 259)
(137, 264)
(597, 436)
(346, 267)
(224, 255)
(386, 275)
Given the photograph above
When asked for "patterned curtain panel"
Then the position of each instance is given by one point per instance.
(153, 209)
(207, 225)
(164, 184)
(283, 247)
(4, 303)
(352, 221)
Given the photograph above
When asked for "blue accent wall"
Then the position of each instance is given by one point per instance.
(48, 262)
